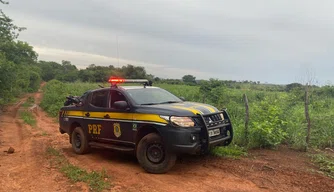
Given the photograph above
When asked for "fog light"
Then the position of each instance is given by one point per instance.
(193, 138)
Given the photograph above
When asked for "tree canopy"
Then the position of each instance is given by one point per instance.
(18, 70)
(189, 79)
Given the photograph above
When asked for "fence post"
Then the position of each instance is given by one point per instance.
(246, 119)
(307, 116)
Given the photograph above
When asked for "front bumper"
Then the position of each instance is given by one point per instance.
(198, 148)
(197, 140)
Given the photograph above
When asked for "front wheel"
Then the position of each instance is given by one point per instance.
(79, 141)
(153, 156)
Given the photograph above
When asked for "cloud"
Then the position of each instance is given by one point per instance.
(82, 60)
(270, 41)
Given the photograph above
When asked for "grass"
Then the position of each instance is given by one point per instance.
(28, 118)
(53, 152)
(232, 151)
(325, 164)
(28, 102)
(95, 179)
(44, 133)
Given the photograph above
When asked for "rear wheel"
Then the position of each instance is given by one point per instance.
(79, 141)
(153, 156)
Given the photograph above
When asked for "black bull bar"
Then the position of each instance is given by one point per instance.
(226, 131)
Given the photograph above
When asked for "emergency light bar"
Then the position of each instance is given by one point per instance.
(115, 81)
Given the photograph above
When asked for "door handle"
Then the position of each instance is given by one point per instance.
(87, 114)
(107, 116)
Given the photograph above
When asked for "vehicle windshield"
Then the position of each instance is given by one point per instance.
(152, 96)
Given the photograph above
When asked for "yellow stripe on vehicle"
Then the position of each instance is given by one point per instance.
(211, 109)
(121, 116)
(74, 113)
(112, 115)
(148, 117)
(195, 111)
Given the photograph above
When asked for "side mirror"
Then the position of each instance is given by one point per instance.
(182, 98)
(122, 105)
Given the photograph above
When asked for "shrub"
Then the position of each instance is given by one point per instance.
(267, 125)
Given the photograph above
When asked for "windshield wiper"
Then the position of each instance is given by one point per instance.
(150, 104)
(166, 102)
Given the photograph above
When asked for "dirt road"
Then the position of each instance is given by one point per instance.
(28, 168)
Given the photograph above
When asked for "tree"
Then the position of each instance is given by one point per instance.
(7, 77)
(292, 86)
(157, 79)
(94, 73)
(189, 79)
(19, 52)
(86, 75)
(67, 66)
(133, 72)
(18, 71)
(8, 30)
(49, 69)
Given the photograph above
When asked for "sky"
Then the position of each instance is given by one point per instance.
(274, 41)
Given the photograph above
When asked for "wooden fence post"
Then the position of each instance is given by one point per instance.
(246, 119)
(307, 116)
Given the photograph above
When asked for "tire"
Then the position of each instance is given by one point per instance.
(79, 141)
(152, 156)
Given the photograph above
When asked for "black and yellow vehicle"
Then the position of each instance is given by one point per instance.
(149, 121)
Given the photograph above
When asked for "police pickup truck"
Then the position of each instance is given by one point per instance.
(149, 121)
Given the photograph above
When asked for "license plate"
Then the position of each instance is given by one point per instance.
(214, 132)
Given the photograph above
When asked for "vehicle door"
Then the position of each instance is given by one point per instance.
(96, 107)
(119, 121)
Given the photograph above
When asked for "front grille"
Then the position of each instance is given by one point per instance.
(211, 120)
(214, 120)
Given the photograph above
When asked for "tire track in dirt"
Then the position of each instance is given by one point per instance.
(27, 169)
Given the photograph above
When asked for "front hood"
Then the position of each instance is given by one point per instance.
(179, 109)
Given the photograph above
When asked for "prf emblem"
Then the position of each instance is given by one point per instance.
(94, 129)
(117, 130)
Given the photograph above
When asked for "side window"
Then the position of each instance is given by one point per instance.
(116, 96)
(100, 98)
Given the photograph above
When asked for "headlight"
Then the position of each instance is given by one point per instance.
(180, 121)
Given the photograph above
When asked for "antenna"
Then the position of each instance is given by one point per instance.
(117, 51)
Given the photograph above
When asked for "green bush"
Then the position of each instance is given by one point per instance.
(55, 93)
(322, 123)
(296, 127)
(325, 163)
(267, 124)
